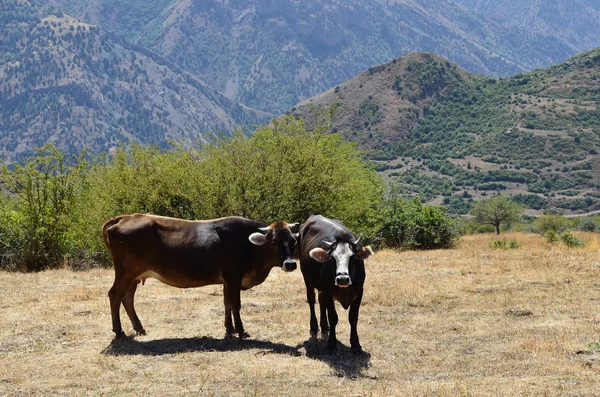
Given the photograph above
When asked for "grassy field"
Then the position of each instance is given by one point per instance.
(467, 321)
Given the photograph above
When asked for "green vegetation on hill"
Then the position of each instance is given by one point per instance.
(454, 137)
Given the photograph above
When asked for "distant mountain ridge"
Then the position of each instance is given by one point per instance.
(271, 54)
(453, 137)
(68, 82)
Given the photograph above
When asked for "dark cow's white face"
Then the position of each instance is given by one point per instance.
(342, 253)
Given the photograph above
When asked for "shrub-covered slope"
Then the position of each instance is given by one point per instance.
(453, 137)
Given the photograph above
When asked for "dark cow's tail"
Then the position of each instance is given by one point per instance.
(105, 227)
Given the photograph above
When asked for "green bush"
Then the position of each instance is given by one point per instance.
(410, 224)
(504, 244)
(555, 223)
(570, 240)
(39, 216)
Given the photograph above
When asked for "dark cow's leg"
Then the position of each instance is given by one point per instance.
(310, 297)
(228, 322)
(323, 310)
(116, 294)
(353, 318)
(130, 309)
(328, 302)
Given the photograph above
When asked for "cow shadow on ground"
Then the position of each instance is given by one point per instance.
(159, 347)
(343, 362)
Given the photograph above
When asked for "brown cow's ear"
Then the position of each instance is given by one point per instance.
(294, 227)
(258, 238)
(365, 252)
(319, 254)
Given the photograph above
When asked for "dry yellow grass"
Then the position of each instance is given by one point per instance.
(467, 321)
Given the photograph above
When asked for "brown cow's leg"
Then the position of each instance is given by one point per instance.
(116, 294)
(310, 297)
(327, 299)
(235, 302)
(129, 308)
(228, 323)
(353, 318)
(323, 310)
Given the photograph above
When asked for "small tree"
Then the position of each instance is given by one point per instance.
(496, 211)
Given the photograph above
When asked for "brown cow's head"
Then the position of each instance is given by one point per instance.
(342, 252)
(283, 237)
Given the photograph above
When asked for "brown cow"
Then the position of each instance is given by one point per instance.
(236, 252)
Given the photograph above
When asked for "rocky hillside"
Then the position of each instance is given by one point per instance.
(272, 54)
(68, 82)
(452, 137)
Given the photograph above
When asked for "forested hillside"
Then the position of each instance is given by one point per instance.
(272, 54)
(73, 84)
(453, 137)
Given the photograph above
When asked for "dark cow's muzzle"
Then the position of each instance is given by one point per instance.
(289, 265)
(342, 280)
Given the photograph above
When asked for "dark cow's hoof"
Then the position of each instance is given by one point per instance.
(244, 335)
(120, 335)
(141, 332)
(313, 333)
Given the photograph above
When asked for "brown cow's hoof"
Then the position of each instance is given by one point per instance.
(141, 332)
(120, 335)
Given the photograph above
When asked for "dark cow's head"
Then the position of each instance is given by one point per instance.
(282, 236)
(343, 252)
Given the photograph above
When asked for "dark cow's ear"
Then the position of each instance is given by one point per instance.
(365, 252)
(319, 254)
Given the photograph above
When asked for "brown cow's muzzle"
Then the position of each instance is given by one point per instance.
(289, 265)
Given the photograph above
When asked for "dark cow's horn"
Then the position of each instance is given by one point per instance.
(357, 241)
(328, 243)
(264, 229)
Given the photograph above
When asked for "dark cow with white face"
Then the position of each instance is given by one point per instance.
(236, 252)
(332, 261)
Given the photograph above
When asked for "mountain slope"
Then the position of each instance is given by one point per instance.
(272, 54)
(68, 82)
(575, 22)
(451, 136)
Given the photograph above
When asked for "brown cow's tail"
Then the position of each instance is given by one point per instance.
(105, 227)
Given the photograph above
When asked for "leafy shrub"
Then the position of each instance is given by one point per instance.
(410, 224)
(552, 236)
(39, 218)
(570, 240)
(504, 244)
(556, 223)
